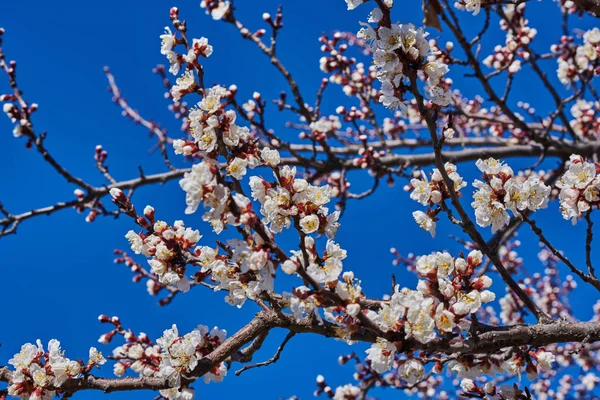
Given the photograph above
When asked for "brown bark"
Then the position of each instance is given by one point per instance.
(490, 340)
(591, 6)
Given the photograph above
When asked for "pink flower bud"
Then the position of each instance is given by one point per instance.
(104, 339)
(353, 310)
(117, 194)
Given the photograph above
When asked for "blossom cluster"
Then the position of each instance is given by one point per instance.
(170, 248)
(198, 48)
(352, 4)
(356, 78)
(446, 294)
(409, 372)
(321, 127)
(245, 270)
(397, 47)
(39, 374)
(577, 61)
(180, 354)
(290, 198)
(200, 185)
(473, 6)
(501, 190)
(15, 114)
(210, 127)
(586, 122)
(579, 188)
(518, 36)
(350, 292)
(139, 353)
(405, 370)
(323, 269)
(431, 193)
(532, 362)
(171, 357)
(216, 8)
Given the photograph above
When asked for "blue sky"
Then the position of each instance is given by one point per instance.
(58, 273)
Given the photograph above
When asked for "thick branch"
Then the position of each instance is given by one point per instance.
(259, 325)
(591, 6)
(487, 342)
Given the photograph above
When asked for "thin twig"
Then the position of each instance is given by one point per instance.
(588, 243)
(271, 360)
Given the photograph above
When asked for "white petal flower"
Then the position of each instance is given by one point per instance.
(425, 222)
(218, 12)
(411, 371)
(467, 303)
(96, 357)
(467, 385)
(119, 369)
(422, 190)
(381, 354)
(353, 309)
(449, 133)
(545, 359)
(352, 4)
(490, 166)
(237, 168)
(167, 41)
(330, 272)
(270, 157)
(289, 267)
(309, 224)
(440, 96)
(444, 319)
(183, 84)
(347, 391)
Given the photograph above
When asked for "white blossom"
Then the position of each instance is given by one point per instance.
(270, 157)
(309, 224)
(425, 222)
(352, 4)
(545, 359)
(381, 354)
(411, 371)
(237, 168)
(96, 357)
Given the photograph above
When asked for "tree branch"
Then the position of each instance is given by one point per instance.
(271, 360)
(591, 6)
